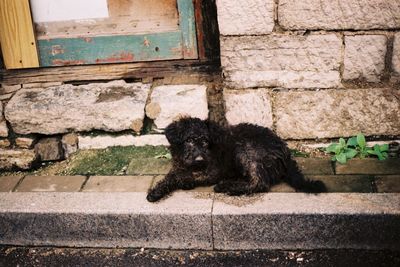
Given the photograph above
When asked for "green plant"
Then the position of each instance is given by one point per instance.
(381, 151)
(342, 151)
(354, 146)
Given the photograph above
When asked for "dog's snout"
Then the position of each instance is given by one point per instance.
(199, 158)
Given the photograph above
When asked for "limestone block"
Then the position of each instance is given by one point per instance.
(251, 106)
(245, 17)
(113, 106)
(49, 149)
(339, 15)
(25, 142)
(7, 89)
(337, 113)
(19, 158)
(364, 57)
(289, 61)
(5, 143)
(3, 128)
(69, 144)
(171, 102)
(396, 56)
(104, 141)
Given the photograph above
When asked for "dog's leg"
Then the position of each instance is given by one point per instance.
(254, 182)
(172, 181)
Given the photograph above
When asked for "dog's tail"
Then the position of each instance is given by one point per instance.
(297, 180)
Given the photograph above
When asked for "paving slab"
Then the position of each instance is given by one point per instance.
(388, 183)
(346, 183)
(307, 221)
(105, 220)
(118, 184)
(7, 183)
(51, 184)
(146, 166)
(317, 166)
(369, 166)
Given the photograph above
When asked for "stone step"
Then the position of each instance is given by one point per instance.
(201, 220)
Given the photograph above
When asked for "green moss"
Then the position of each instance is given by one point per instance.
(110, 161)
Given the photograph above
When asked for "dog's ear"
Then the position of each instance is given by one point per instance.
(216, 132)
(173, 132)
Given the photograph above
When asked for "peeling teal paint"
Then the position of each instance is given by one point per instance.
(129, 48)
(188, 28)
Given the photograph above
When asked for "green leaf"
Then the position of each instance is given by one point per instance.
(342, 142)
(361, 140)
(378, 152)
(384, 147)
(331, 148)
(352, 141)
(333, 158)
(350, 153)
(370, 151)
(341, 158)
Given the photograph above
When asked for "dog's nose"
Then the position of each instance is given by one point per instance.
(199, 158)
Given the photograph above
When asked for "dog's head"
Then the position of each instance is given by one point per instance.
(190, 141)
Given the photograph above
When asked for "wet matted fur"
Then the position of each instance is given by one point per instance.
(241, 159)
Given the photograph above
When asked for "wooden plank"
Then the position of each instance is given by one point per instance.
(188, 28)
(154, 69)
(110, 49)
(16, 35)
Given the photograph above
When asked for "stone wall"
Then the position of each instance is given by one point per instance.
(50, 121)
(314, 68)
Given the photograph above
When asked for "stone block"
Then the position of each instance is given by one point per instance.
(118, 184)
(396, 56)
(104, 141)
(146, 166)
(107, 220)
(250, 106)
(245, 17)
(41, 85)
(306, 221)
(339, 15)
(6, 89)
(171, 102)
(17, 158)
(5, 143)
(315, 166)
(49, 149)
(369, 166)
(26, 142)
(277, 60)
(364, 57)
(388, 183)
(69, 144)
(337, 113)
(3, 128)
(6, 96)
(68, 108)
(7, 183)
(51, 184)
(346, 183)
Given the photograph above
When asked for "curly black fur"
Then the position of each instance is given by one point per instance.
(241, 159)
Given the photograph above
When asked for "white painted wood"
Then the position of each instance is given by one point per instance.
(64, 10)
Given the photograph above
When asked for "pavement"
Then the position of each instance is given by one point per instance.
(360, 212)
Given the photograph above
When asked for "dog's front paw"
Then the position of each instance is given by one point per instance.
(153, 197)
(220, 188)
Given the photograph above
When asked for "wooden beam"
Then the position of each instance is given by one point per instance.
(108, 71)
(16, 35)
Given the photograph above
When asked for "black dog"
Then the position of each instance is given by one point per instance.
(241, 159)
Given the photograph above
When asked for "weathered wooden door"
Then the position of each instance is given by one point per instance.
(71, 32)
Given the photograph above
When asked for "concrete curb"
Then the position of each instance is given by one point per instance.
(201, 221)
